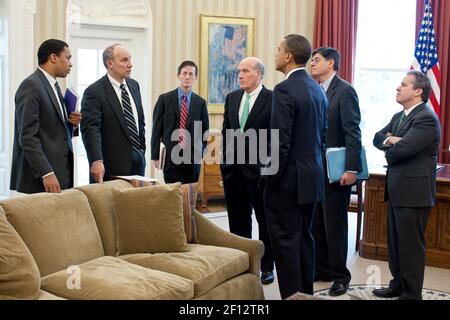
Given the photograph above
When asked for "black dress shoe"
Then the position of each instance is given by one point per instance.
(386, 293)
(338, 289)
(267, 277)
(322, 277)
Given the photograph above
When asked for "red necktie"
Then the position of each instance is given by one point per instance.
(183, 122)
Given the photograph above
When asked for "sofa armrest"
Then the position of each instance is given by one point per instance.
(210, 234)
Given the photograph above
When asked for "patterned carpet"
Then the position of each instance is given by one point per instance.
(364, 292)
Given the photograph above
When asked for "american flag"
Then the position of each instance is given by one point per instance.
(426, 56)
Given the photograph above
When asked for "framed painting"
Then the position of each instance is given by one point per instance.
(224, 42)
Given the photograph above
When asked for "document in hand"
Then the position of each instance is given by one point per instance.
(70, 98)
(335, 158)
(162, 157)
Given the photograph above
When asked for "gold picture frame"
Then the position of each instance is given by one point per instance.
(224, 42)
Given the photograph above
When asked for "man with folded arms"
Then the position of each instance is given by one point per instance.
(411, 143)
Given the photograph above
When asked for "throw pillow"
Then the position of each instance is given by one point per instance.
(189, 194)
(19, 274)
(150, 219)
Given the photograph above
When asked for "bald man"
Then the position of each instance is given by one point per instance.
(247, 111)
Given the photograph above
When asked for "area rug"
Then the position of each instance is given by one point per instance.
(364, 292)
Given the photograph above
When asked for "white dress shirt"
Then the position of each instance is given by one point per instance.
(326, 84)
(253, 97)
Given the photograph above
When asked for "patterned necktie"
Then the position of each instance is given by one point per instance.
(61, 100)
(245, 112)
(183, 122)
(401, 121)
(129, 117)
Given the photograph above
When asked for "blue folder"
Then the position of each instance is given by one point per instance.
(70, 99)
(335, 158)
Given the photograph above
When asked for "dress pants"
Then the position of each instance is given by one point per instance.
(331, 234)
(243, 195)
(406, 246)
(290, 228)
(137, 166)
(184, 173)
(137, 163)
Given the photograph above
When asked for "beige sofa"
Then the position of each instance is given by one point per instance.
(65, 246)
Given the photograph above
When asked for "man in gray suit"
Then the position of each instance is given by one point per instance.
(42, 153)
(411, 143)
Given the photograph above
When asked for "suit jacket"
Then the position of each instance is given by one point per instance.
(300, 113)
(42, 139)
(344, 118)
(166, 119)
(259, 119)
(411, 175)
(104, 128)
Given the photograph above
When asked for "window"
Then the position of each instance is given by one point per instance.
(384, 53)
(90, 69)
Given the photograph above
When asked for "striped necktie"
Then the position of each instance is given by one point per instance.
(129, 117)
(183, 122)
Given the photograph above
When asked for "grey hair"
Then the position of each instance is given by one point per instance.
(421, 82)
(109, 54)
(261, 68)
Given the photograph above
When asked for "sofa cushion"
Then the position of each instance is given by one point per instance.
(206, 266)
(150, 220)
(102, 204)
(58, 229)
(43, 295)
(189, 194)
(110, 278)
(19, 274)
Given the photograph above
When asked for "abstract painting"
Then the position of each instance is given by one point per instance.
(225, 41)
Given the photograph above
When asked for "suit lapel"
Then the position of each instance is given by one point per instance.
(174, 103)
(51, 94)
(191, 109)
(113, 100)
(235, 112)
(259, 104)
(410, 116)
(137, 102)
(332, 89)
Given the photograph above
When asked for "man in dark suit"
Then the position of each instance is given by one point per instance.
(411, 143)
(247, 117)
(180, 119)
(42, 158)
(299, 114)
(113, 126)
(331, 216)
